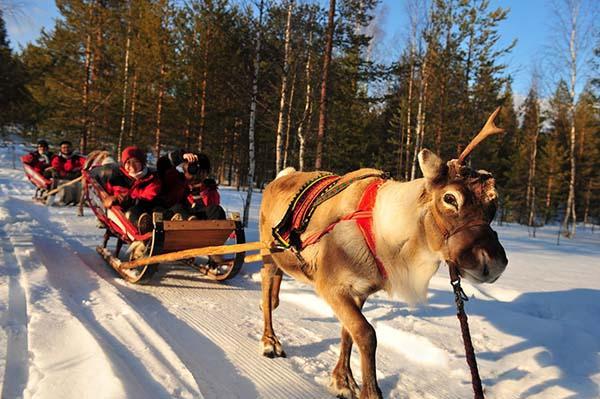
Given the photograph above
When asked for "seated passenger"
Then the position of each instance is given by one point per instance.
(40, 159)
(67, 165)
(133, 187)
(187, 190)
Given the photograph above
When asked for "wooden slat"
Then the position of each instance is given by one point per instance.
(192, 253)
(176, 240)
(199, 225)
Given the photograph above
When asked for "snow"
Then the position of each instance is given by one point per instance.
(71, 328)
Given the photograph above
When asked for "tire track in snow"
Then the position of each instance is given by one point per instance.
(16, 372)
(272, 378)
(141, 361)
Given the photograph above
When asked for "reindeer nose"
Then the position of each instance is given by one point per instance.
(486, 270)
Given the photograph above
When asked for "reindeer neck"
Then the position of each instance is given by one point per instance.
(398, 215)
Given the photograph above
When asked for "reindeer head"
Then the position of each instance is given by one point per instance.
(461, 206)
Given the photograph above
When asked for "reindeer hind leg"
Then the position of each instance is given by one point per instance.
(270, 345)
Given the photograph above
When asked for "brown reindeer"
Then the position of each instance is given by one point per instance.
(444, 216)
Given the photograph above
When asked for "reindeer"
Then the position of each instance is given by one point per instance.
(415, 225)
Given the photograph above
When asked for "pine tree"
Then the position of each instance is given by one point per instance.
(13, 93)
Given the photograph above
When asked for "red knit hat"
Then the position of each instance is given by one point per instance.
(133, 152)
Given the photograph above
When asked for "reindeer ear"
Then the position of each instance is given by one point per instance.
(431, 164)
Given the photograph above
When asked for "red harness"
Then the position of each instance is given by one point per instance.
(364, 219)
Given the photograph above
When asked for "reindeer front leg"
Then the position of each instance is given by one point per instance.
(348, 311)
(271, 279)
(343, 384)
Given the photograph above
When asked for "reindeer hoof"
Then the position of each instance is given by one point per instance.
(272, 348)
(344, 386)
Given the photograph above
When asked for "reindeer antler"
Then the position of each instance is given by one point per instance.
(488, 129)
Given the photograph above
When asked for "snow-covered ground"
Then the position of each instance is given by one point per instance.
(72, 329)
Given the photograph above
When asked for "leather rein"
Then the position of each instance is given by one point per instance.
(460, 297)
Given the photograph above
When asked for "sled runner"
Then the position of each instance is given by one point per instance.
(199, 244)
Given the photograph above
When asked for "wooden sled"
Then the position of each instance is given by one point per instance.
(199, 244)
(42, 184)
(46, 188)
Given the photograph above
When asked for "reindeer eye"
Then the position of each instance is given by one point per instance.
(450, 200)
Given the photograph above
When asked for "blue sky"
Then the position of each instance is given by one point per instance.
(527, 22)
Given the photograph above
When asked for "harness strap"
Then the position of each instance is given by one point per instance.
(299, 209)
(447, 233)
(366, 224)
(312, 194)
(364, 219)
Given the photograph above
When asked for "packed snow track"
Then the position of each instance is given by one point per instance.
(71, 328)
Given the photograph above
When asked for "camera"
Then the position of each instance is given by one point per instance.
(193, 168)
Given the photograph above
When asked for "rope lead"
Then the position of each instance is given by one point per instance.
(459, 298)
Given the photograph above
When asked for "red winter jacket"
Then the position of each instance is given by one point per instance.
(130, 190)
(64, 165)
(37, 161)
(205, 194)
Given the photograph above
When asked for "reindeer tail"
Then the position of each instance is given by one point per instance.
(285, 172)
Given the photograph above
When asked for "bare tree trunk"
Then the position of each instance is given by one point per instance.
(420, 118)
(203, 93)
(570, 208)
(530, 179)
(125, 84)
(283, 91)
(586, 209)
(161, 93)
(549, 194)
(465, 105)
(288, 128)
(441, 117)
(83, 142)
(324, 80)
(306, 115)
(411, 79)
(251, 154)
(132, 115)
(234, 161)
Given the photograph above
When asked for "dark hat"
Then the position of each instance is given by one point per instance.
(43, 143)
(133, 152)
(203, 164)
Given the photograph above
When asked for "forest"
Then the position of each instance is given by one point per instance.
(261, 85)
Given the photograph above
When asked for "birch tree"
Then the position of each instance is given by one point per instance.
(574, 21)
(283, 92)
(251, 149)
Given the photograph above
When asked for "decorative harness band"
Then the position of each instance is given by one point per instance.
(296, 218)
(295, 221)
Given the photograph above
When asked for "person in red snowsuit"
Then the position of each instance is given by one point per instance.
(40, 159)
(67, 165)
(187, 191)
(133, 187)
